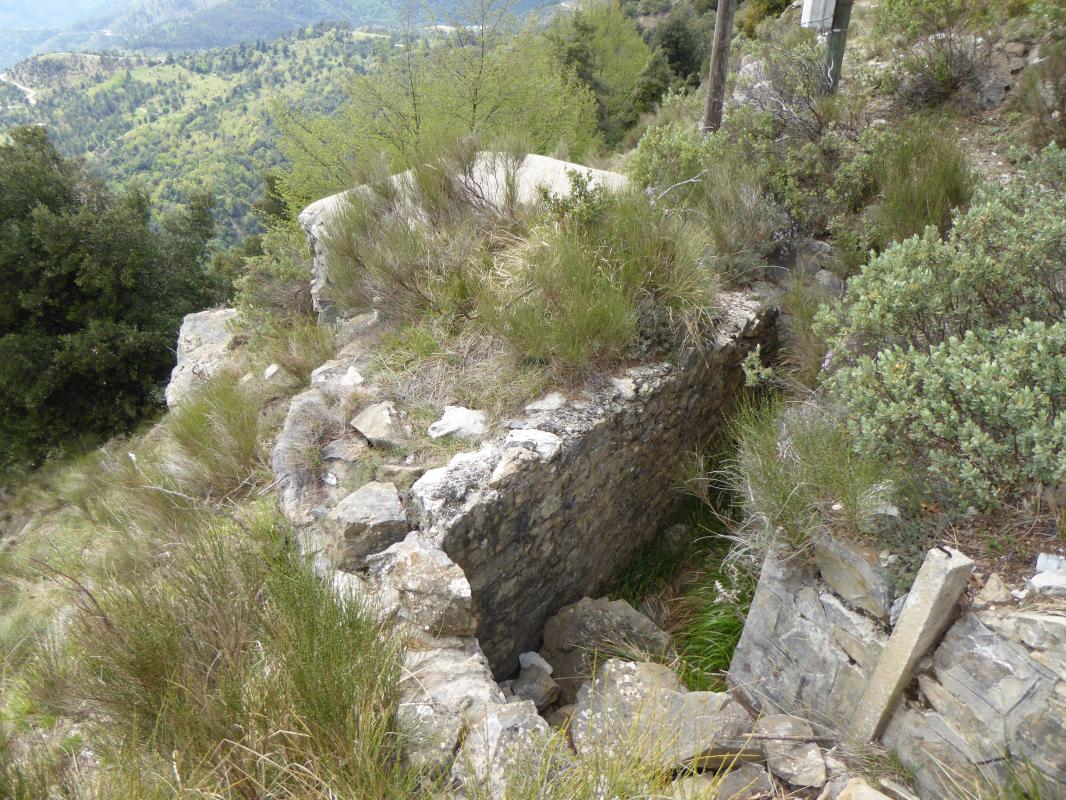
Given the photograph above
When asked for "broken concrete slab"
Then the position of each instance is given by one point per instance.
(929, 610)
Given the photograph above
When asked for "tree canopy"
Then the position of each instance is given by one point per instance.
(94, 293)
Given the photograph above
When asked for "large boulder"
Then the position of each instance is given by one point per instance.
(491, 179)
(205, 342)
(366, 522)
(642, 710)
(574, 636)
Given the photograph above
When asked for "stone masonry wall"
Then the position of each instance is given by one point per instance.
(535, 530)
(992, 693)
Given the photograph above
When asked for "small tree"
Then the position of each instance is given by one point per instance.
(93, 296)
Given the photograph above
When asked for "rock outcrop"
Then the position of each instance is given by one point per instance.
(205, 342)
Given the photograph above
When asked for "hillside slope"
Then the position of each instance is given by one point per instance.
(184, 123)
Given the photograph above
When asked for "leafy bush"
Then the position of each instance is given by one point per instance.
(720, 191)
(580, 288)
(1041, 97)
(752, 12)
(94, 295)
(999, 265)
(984, 412)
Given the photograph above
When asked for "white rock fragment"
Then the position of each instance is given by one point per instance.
(552, 402)
(271, 371)
(380, 424)
(543, 443)
(461, 423)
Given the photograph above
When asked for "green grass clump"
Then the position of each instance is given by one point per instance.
(229, 666)
(796, 470)
(588, 279)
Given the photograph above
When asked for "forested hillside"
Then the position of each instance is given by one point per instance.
(182, 123)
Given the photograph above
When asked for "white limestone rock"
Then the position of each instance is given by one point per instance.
(205, 342)
(365, 522)
(460, 423)
(380, 424)
(543, 443)
(790, 758)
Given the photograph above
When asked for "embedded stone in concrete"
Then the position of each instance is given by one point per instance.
(791, 753)
(853, 572)
(543, 443)
(380, 424)
(930, 608)
(365, 522)
(573, 637)
(460, 423)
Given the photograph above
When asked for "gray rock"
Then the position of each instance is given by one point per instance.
(535, 683)
(853, 572)
(573, 636)
(451, 671)
(794, 761)
(994, 592)
(859, 789)
(431, 736)
(380, 424)
(532, 658)
(423, 586)
(642, 710)
(337, 376)
(205, 343)
(1051, 583)
(460, 423)
(691, 787)
(365, 522)
(745, 781)
(506, 736)
(828, 281)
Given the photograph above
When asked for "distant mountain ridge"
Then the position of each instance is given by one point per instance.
(173, 25)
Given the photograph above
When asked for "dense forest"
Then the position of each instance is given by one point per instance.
(177, 123)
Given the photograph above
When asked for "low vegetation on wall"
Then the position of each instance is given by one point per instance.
(158, 634)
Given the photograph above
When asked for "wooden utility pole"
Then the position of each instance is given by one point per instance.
(838, 37)
(723, 32)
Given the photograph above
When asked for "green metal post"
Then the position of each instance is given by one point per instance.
(838, 37)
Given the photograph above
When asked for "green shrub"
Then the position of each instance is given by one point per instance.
(1041, 98)
(984, 413)
(752, 12)
(580, 288)
(999, 265)
(94, 294)
(796, 469)
(720, 191)
(940, 66)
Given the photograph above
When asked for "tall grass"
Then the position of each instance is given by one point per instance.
(923, 175)
(795, 470)
(594, 276)
(231, 665)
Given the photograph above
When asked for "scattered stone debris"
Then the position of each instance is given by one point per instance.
(574, 637)
(791, 752)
